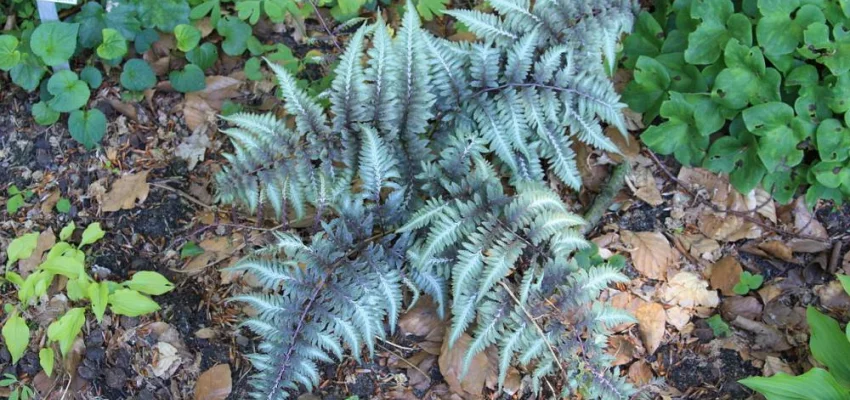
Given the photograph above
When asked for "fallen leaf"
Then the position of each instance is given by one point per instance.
(205, 333)
(45, 241)
(687, 289)
(766, 205)
(808, 245)
(627, 144)
(622, 348)
(699, 246)
(833, 297)
(773, 365)
(451, 366)
(651, 254)
(126, 191)
(678, 317)
(640, 373)
(766, 337)
(777, 249)
(748, 307)
(193, 148)
(216, 249)
(642, 182)
(651, 319)
(725, 273)
(805, 223)
(214, 384)
(165, 360)
(423, 322)
(50, 202)
(200, 108)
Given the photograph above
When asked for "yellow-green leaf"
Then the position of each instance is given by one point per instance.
(99, 297)
(92, 234)
(21, 248)
(69, 267)
(149, 282)
(46, 359)
(16, 335)
(131, 303)
(67, 231)
(65, 329)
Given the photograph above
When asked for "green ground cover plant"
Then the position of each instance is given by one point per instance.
(757, 89)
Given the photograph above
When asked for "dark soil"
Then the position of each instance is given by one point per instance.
(707, 376)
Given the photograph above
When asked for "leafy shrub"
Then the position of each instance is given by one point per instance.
(830, 347)
(63, 259)
(429, 175)
(755, 88)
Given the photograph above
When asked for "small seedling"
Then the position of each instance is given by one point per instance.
(17, 199)
(19, 391)
(191, 249)
(718, 326)
(748, 282)
(63, 206)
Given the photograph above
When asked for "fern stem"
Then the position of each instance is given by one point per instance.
(295, 334)
(541, 86)
(604, 199)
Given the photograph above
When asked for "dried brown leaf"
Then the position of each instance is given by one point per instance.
(422, 321)
(46, 240)
(651, 320)
(777, 249)
(651, 254)
(725, 274)
(214, 384)
(451, 366)
(805, 222)
(748, 307)
(640, 373)
(687, 289)
(126, 191)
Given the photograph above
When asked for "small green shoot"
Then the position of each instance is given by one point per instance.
(748, 282)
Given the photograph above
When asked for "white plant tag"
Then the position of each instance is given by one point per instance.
(72, 2)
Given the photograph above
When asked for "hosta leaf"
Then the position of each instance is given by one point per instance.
(66, 328)
(816, 384)
(829, 345)
(16, 336)
(131, 303)
(149, 282)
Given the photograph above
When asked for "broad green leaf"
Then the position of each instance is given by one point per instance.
(21, 248)
(235, 33)
(249, 10)
(66, 328)
(54, 42)
(78, 289)
(777, 32)
(648, 89)
(28, 73)
(428, 9)
(646, 40)
(9, 54)
(253, 69)
(833, 141)
(779, 132)
(839, 99)
(719, 25)
(91, 76)
(718, 326)
(87, 127)
(745, 80)
(131, 303)
(43, 114)
(145, 39)
(204, 56)
(164, 14)
(738, 157)
(829, 345)
(149, 282)
(67, 231)
(283, 56)
(187, 37)
(92, 20)
(191, 249)
(816, 384)
(845, 282)
(831, 174)
(14, 203)
(16, 336)
(98, 294)
(46, 359)
(92, 234)
(190, 79)
(137, 75)
(113, 46)
(684, 135)
(63, 205)
(833, 52)
(66, 266)
(69, 92)
(211, 7)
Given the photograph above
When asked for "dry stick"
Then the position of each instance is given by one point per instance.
(743, 215)
(604, 199)
(181, 194)
(325, 26)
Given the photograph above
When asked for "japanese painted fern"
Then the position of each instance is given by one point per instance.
(428, 173)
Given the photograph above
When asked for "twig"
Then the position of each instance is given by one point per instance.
(325, 26)
(181, 194)
(398, 346)
(604, 199)
(743, 215)
(404, 360)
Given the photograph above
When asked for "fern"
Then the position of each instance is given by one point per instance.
(427, 173)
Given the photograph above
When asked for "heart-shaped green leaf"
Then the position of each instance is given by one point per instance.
(9, 54)
(113, 46)
(55, 42)
(87, 127)
(187, 37)
(69, 92)
(190, 79)
(137, 75)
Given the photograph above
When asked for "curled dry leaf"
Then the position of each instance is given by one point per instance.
(422, 322)
(725, 273)
(678, 317)
(216, 249)
(640, 373)
(642, 182)
(777, 249)
(805, 222)
(214, 384)
(451, 366)
(193, 148)
(766, 337)
(651, 253)
(126, 191)
(165, 360)
(833, 297)
(687, 289)
(622, 348)
(50, 202)
(200, 108)
(651, 320)
(747, 307)
(773, 365)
